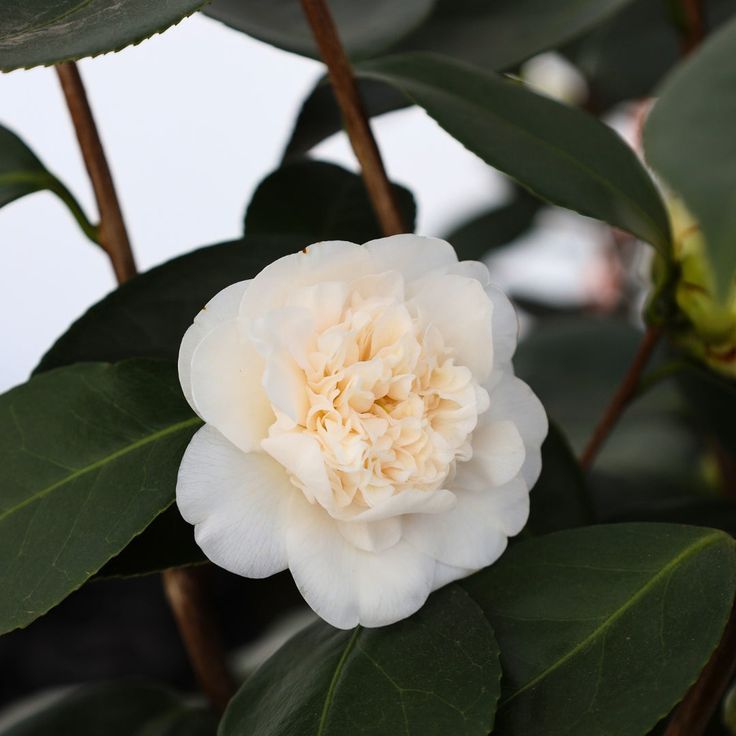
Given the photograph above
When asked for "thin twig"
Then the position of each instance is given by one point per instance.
(692, 716)
(621, 398)
(380, 191)
(113, 236)
(186, 591)
(693, 26)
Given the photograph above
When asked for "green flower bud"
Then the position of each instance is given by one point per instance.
(704, 326)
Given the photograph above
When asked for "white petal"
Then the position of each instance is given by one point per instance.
(333, 260)
(471, 270)
(373, 536)
(324, 301)
(222, 307)
(286, 386)
(444, 574)
(238, 503)
(301, 455)
(461, 310)
(504, 325)
(226, 390)
(347, 586)
(474, 533)
(498, 456)
(412, 255)
(406, 502)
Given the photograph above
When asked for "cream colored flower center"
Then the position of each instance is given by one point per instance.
(387, 404)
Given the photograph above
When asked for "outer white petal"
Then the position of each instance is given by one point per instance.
(407, 502)
(222, 307)
(226, 391)
(373, 536)
(347, 586)
(333, 260)
(498, 454)
(474, 534)
(238, 503)
(461, 310)
(444, 574)
(412, 255)
(504, 326)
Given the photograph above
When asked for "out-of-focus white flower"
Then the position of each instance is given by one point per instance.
(363, 425)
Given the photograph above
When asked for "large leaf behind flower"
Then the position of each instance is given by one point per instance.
(116, 709)
(433, 674)
(603, 629)
(689, 139)
(562, 154)
(88, 458)
(34, 32)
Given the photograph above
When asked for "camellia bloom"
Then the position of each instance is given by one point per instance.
(364, 427)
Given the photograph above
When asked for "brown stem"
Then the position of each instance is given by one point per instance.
(112, 233)
(693, 28)
(354, 117)
(692, 716)
(621, 398)
(186, 591)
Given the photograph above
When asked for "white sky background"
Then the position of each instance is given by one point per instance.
(191, 120)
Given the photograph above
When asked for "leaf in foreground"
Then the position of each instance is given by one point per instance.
(603, 629)
(115, 709)
(433, 674)
(89, 457)
(560, 153)
(689, 139)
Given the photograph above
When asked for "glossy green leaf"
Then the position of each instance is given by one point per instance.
(560, 153)
(497, 227)
(315, 200)
(116, 709)
(559, 499)
(36, 32)
(89, 455)
(494, 35)
(365, 28)
(147, 316)
(603, 629)
(625, 58)
(688, 139)
(21, 173)
(433, 674)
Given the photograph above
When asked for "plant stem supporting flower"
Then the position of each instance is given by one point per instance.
(113, 236)
(354, 117)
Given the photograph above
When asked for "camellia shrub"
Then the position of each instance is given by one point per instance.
(483, 534)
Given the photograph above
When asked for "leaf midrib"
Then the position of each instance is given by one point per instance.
(330, 696)
(38, 495)
(617, 614)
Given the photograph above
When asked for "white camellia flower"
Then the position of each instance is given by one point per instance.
(364, 427)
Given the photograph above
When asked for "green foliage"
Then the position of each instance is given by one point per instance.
(315, 200)
(89, 457)
(433, 674)
(365, 28)
(561, 154)
(116, 709)
(46, 32)
(21, 173)
(603, 629)
(689, 140)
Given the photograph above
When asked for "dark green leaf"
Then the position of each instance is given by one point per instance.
(626, 57)
(688, 139)
(495, 228)
(315, 200)
(559, 499)
(560, 153)
(147, 316)
(21, 173)
(89, 455)
(365, 28)
(45, 32)
(503, 33)
(116, 709)
(603, 629)
(433, 674)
